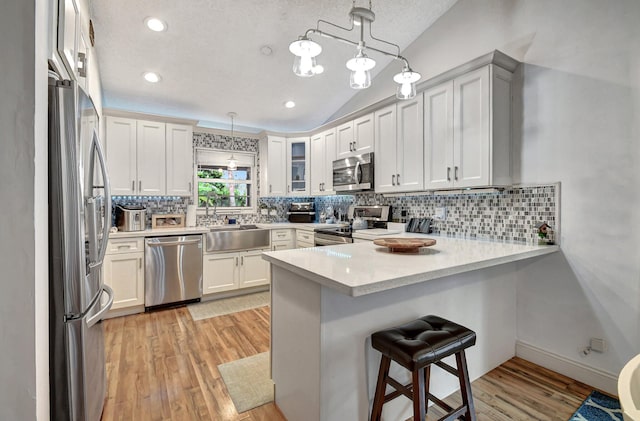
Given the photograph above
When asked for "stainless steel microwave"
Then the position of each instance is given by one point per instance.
(353, 174)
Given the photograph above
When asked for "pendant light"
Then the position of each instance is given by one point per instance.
(306, 50)
(232, 162)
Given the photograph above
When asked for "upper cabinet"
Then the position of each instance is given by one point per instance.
(467, 130)
(399, 147)
(298, 166)
(179, 159)
(323, 153)
(355, 137)
(138, 161)
(273, 166)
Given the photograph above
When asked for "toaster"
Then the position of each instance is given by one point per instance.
(131, 217)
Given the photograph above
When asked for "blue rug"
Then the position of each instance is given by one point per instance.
(598, 407)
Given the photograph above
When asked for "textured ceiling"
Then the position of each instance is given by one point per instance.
(211, 64)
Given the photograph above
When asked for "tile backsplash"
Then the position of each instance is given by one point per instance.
(508, 215)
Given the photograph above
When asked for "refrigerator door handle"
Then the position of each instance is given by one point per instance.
(106, 225)
(98, 316)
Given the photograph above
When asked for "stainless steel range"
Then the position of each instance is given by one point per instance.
(369, 216)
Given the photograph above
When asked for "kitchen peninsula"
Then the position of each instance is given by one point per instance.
(326, 302)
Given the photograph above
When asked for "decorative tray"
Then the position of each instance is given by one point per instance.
(404, 245)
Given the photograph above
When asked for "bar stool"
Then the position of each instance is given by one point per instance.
(415, 346)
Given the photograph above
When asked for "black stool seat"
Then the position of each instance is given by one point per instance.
(423, 341)
(416, 346)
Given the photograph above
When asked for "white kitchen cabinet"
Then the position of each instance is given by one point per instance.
(123, 271)
(179, 144)
(151, 157)
(219, 272)
(323, 153)
(273, 167)
(137, 157)
(282, 239)
(298, 166)
(254, 270)
(399, 140)
(121, 155)
(68, 34)
(468, 130)
(355, 137)
(235, 270)
(304, 239)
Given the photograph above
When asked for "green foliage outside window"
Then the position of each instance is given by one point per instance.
(218, 193)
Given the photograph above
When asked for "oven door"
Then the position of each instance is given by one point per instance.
(354, 173)
(323, 239)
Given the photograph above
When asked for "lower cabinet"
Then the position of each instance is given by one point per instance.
(229, 271)
(304, 239)
(124, 273)
(282, 239)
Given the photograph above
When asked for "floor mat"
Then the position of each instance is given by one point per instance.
(598, 407)
(248, 381)
(224, 306)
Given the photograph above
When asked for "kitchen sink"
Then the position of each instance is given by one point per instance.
(236, 237)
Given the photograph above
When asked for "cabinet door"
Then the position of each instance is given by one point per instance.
(282, 245)
(68, 30)
(220, 272)
(121, 155)
(125, 275)
(179, 165)
(298, 166)
(438, 136)
(276, 166)
(344, 138)
(151, 153)
(317, 158)
(410, 145)
(330, 139)
(363, 133)
(471, 135)
(254, 270)
(385, 157)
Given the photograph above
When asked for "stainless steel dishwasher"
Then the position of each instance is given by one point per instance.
(173, 270)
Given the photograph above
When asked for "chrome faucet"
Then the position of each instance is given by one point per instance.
(215, 203)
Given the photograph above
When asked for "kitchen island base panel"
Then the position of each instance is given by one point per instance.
(323, 365)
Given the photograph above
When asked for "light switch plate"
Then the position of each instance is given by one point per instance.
(441, 213)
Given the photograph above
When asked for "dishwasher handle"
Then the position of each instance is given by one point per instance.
(173, 243)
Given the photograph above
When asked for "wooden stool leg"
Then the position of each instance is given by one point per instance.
(381, 387)
(419, 409)
(427, 377)
(465, 386)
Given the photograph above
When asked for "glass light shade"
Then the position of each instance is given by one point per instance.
(360, 79)
(406, 81)
(406, 91)
(232, 163)
(304, 66)
(305, 47)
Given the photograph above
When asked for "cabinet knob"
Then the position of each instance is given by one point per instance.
(140, 186)
(455, 173)
(133, 185)
(393, 180)
(398, 179)
(448, 173)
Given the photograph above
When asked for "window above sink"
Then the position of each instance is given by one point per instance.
(221, 189)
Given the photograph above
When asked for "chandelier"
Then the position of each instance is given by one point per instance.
(306, 50)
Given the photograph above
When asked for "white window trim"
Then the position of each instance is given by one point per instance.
(220, 157)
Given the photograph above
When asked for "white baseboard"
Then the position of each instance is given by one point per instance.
(599, 379)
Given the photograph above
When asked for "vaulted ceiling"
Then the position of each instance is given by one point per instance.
(212, 61)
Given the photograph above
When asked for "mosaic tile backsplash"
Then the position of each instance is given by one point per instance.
(509, 215)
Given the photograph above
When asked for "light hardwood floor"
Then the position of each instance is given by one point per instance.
(163, 366)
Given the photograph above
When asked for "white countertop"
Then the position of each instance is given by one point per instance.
(364, 268)
(200, 230)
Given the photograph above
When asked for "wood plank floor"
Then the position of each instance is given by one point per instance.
(163, 366)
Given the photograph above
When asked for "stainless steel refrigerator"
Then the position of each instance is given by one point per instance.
(79, 223)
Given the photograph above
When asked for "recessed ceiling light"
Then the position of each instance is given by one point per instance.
(151, 77)
(289, 104)
(155, 24)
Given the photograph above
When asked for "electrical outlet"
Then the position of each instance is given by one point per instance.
(598, 345)
(441, 213)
